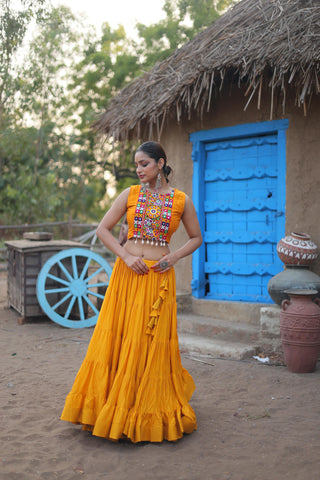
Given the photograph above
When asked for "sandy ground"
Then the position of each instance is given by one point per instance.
(255, 421)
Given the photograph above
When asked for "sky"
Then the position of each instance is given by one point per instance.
(116, 12)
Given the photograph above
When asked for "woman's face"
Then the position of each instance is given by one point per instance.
(147, 168)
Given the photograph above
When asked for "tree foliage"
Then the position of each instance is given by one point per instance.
(184, 19)
(51, 164)
(15, 18)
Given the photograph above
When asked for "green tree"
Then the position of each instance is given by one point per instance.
(114, 60)
(22, 200)
(45, 174)
(108, 64)
(202, 12)
(184, 19)
(51, 164)
(15, 17)
(63, 145)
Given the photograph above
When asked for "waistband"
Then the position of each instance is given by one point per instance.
(149, 263)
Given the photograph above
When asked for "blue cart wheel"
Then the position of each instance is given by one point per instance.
(71, 287)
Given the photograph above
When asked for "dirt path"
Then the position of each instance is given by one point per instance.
(255, 422)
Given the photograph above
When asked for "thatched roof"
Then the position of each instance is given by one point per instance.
(273, 44)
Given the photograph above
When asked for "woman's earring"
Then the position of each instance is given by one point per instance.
(158, 182)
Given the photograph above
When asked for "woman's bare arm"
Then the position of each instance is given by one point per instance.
(111, 218)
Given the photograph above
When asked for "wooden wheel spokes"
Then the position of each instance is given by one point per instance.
(71, 287)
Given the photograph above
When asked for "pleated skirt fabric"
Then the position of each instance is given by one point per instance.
(131, 383)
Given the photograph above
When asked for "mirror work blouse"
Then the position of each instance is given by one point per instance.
(154, 217)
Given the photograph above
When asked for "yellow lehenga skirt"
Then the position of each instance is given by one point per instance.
(131, 383)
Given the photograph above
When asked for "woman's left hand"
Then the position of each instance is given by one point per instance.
(165, 263)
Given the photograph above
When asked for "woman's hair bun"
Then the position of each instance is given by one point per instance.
(166, 171)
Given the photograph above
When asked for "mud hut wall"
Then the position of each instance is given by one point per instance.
(303, 174)
(178, 149)
(302, 158)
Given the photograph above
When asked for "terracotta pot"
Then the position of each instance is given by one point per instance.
(297, 249)
(291, 278)
(300, 330)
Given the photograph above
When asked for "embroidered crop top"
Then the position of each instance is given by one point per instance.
(153, 217)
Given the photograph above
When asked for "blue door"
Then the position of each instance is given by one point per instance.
(240, 198)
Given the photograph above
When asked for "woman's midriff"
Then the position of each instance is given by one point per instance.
(145, 250)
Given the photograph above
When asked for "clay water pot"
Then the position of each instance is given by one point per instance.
(293, 277)
(297, 249)
(300, 330)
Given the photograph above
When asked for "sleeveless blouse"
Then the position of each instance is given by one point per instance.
(153, 218)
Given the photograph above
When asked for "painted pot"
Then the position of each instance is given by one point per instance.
(300, 330)
(297, 249)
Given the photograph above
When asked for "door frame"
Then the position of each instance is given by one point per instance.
(198, 140)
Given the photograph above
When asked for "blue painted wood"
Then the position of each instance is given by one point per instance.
(238, 131)
(198, 156)
(238, 236)
(281, 192)
(241, 174)
(240, 268)
(69, 281)
(242, 205)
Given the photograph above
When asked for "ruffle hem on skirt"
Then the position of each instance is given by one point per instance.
(131, 383)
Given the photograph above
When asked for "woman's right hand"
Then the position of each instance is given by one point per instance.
(135, 263)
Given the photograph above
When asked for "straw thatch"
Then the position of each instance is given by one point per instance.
(273, 44)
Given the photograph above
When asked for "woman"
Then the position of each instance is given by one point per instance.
(131, 383)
